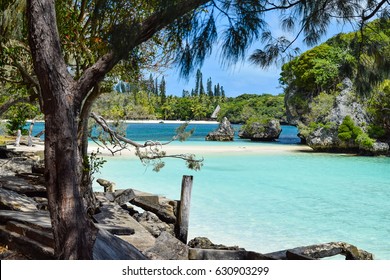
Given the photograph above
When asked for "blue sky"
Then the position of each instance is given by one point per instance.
(243, 77)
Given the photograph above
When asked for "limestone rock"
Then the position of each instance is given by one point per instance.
(379, 148)
(205, 243)
(14, 201)
(164, 211)
(262, 132)
(107, 185)
(224, 132)
(153, 224)
(346, 104)
(167, 247)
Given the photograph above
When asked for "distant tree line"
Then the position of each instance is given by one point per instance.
(149, 100)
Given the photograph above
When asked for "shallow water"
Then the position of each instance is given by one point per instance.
(269, 202)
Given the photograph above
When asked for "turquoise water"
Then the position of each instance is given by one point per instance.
(269, 202)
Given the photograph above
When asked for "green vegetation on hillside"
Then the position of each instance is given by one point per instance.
(313, 81)
(252, 107)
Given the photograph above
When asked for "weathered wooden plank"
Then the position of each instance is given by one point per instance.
(184, 209)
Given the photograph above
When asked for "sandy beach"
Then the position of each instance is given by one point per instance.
(205, 149)
(199, 149)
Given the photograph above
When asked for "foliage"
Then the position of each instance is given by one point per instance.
(364, 141)
(18, 116)
(361, 56)
(348, 130)
(378, 107)
(246, 106)
(92, 163)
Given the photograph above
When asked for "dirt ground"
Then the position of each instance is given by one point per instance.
(6, 254)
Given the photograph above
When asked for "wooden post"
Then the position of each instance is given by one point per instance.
(184, 209)
(29, 142)
(18, 136)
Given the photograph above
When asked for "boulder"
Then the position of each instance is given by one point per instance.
(379, 148)
(224, 132)
(167, 247)
(153, 224)
(261, 132)
(107, 185)
(165, 211)
(205, 243)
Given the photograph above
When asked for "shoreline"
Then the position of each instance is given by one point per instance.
(207, 149)
(144, 121)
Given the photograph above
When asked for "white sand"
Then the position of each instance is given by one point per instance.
(201, 150)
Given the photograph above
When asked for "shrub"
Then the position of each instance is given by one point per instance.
(348, 130)
(365, 141)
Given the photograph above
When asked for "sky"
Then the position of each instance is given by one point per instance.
(243, 77)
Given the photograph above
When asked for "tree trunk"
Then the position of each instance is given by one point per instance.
(73, 231)
(86, 182)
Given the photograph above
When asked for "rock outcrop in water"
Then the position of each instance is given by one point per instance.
(324, 136)
(224, 132)
(261, 132)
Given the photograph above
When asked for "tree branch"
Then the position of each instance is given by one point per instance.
(138, 33)
(148, 151)
(373, 13)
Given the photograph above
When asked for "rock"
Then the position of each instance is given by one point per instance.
(164, 211)
(319, 251)
(107, 185)
(110, 247)
(153, 224)
(22, 186)
(205, 243)
(112, 214)
(261, 132)
(207, 254)
(224, 132)
(346, 104)
(379, 148)
(14, 201)
(38, 167)
(167, 247)
(123, 196)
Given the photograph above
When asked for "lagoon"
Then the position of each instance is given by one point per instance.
(271, 201)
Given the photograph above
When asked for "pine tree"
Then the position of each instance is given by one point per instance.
(163, 96)
(209, 86)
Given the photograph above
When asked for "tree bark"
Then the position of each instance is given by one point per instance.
(63, 100)
(73, 232)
